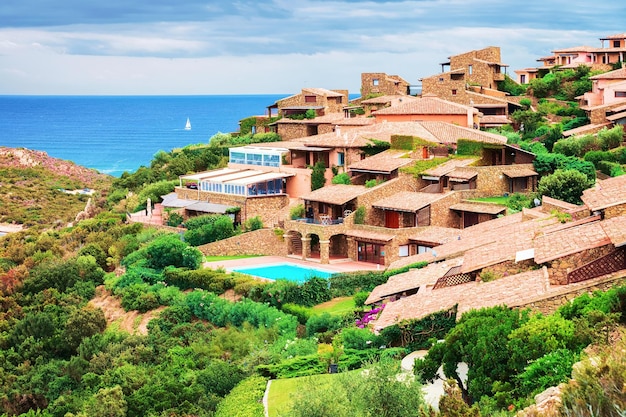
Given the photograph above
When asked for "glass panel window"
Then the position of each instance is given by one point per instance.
(620, 94)
(254, 159)
(271, 160)
(237, 157)
(341, 158)
(375, 81)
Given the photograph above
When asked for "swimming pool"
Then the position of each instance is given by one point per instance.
(290, 272)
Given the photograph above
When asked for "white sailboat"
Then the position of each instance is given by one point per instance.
(188, 125)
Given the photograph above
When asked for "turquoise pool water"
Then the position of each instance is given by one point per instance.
(289, 272)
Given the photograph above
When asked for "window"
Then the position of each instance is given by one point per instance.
(469, 69)
(375, 82)
(237, 157)
(620, 94)
(341, 159)
(440, 79)
(615, 44)
(454, 92)
(522, 79)
(310, 99)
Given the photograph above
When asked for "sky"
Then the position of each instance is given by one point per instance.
(189, 47)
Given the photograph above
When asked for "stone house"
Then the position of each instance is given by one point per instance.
(607, 198)
(429, 108)
(482, 69)
(381, 84)
(609, 53)
(373, 104)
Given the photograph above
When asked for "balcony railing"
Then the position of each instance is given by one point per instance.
(321, 221)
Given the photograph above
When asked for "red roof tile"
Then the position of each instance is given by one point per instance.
(606, 193)
(569, 241)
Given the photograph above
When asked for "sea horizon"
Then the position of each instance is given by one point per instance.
(120, 133)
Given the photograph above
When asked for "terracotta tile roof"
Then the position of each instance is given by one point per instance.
(619, 74)
(584, 129)
(447, 167)
(475, 236)
(616, 116)
(322, 92)
(408, 201)
(519, 172)
(576, 49)
(615, 36)
(414, 278)
(608, 107)
(336, 194)
(512, 291)
(519, 237)
(615, 228)
(463, 174)
(606, 193)
(427, 105)
(568, 241)
(369, 235)
(360, 136)
(449, 133)
(562, 204)
(386, 162)
(436, 235)
(437, 132)
(495, 120)
(388, 99)
(479, 208)
(332, 118)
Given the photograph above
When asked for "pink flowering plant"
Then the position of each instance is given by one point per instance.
(368, 317)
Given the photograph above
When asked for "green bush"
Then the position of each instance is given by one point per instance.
(469, 147)
(360, 298)
(343, 178)
(318, 179)
(322, 323)
(245, 400)
(207, 279)
(360, 339)
(548, 371)
(254, 223)
(296, 212)
(300, 312)
(359, 215)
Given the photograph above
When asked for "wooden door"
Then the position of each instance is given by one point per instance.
(392, 219)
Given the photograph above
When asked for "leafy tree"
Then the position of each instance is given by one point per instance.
(566, 185)
(480, 340)
(169, 250)
(528, 120)
(83, 323)
(343, 178)
(254, 223)
(317, 176)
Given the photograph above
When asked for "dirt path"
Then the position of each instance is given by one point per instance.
(132, 322)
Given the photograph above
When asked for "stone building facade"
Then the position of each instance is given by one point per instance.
(481, 68)
(379, 83)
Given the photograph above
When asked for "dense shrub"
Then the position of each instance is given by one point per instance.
(547, 371)
(300, 312)
(254, 223)
(565, 185)
(207, 279)
(218, 228)
(245, 400)
(322, 323)
(343, 178)
(360, 339)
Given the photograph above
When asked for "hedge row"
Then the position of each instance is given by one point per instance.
(245, 400)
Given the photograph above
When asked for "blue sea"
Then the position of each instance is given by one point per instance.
(113, 134)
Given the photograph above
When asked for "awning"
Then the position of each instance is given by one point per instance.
(363, 234)
(479, 208)
(208, 207)
(520, 173)
(259, 178)
(461, 175)
(208, 174)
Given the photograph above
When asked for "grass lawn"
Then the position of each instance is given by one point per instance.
(227, 258)
(338, 305)
(282, 391)
(495, 200)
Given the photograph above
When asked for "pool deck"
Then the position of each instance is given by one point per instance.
(344, 266)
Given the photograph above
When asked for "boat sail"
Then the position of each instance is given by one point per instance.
(188, 125)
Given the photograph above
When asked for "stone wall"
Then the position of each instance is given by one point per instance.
(559, 268)
(263, 206)
(548, 205)
(560, 296)
(384, 190)
(258, 242)
(491, 180)
(440, 213)
(504, 269)
(387, 85)
(615, 211)
(291, 131)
